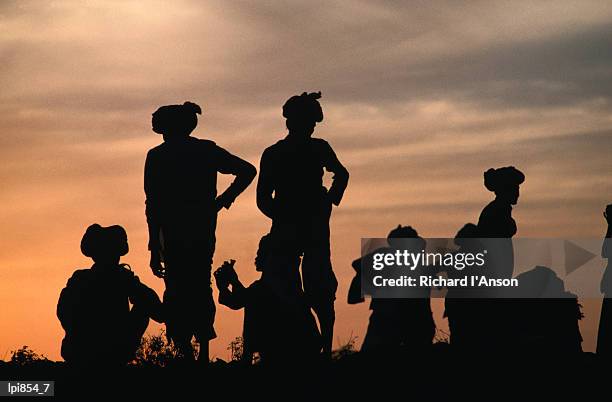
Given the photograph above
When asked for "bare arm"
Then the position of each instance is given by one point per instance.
(235, 298)
(151, 209)
(143, 296)
(64, 310)
(68, 302)
(340, 179)
(606, 248)
(152, 212)
(244, 172)
(265, 187)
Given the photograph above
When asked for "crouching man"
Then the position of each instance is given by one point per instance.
(278, 323)
(94, 307)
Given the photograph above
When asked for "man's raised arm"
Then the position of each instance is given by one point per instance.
(244, 172)
(340, 179)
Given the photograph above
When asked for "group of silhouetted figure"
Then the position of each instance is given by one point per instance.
(105, 309)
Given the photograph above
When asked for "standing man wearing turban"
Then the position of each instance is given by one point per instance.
(290, 191)
(181, 207)
(496, 218)
(496, 227)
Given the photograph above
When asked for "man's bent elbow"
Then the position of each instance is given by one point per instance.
(342, 176)
(247, 172)
(251, 172)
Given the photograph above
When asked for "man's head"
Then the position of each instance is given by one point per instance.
(405, 237)
(176, 121)
(467, 238)
(263, 252)
(303, 112)
(105, 245)
(504, 182)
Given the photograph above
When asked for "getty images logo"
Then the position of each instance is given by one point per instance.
(410, 260)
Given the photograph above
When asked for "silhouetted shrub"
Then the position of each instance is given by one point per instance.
(156, 351)
(26, 357)
(345, 350)
(236, 348)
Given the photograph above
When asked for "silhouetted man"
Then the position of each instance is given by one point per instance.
(545, 319)
(182, 204)
(604, 337)
(94, 309)
(496, 227)
(290, 191)
(396, 324)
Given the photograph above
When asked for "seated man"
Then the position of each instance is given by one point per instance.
(94, 307)
(396, 324)
(278, 323)
(545, 319)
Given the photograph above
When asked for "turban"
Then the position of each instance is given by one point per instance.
(99, 241)
(176, 118)
(304, 107)
(509, 176)
(406, 232)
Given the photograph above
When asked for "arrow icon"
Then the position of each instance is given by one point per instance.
(575, 256)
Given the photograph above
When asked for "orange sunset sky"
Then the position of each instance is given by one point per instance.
(420, 98)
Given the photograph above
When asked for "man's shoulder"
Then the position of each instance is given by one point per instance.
(202, 142)
(207, 148)
(496, 208)
(319, 142)
(125, 271)
(320, 147)
(278, 148)
(196, 143)
(284, 145)
(156, 149)
(79, 276)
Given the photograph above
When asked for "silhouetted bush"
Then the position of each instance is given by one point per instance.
(345, 350)
(26, 357)
(156, 351)
(236, 348)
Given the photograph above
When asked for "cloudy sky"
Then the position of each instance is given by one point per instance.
(419, 99)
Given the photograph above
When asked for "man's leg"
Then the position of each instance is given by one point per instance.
(204, 311)
(604, 338)
(188, 298)
(204, 355)
(320, 286)
(320, 283)
(327, 317)
(177, 316)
